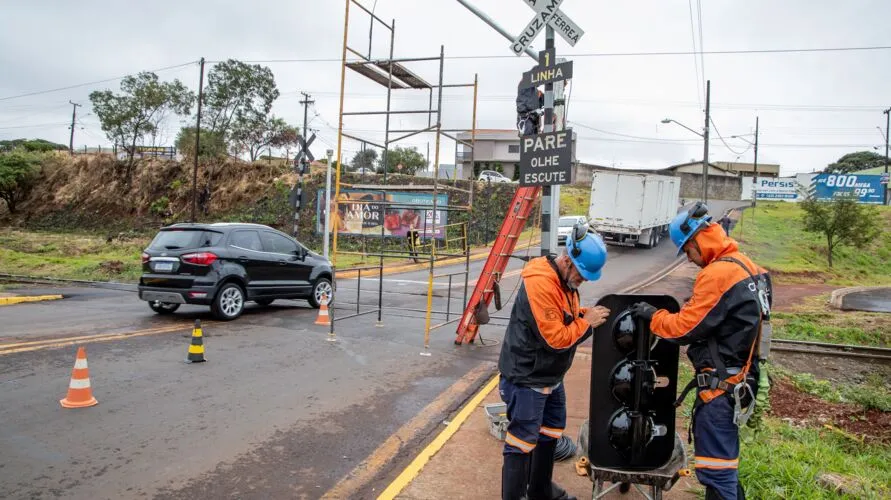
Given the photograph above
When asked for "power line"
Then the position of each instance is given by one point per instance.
(701, 41)
(685, 141)
(695, 60)
(39, 92)
(607, 54)
(725, 142)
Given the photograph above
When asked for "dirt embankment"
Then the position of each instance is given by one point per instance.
(92, 190)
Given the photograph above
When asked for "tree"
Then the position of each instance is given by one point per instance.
(853, 162)
(363, 159)
(405, 161)
(131, 116)
(238, 92)
(33, 145)
(842, 221)
(18, 173)
(212, 144)
(253, 134)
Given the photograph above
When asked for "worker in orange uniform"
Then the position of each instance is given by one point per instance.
(722, 323)
(546, 324)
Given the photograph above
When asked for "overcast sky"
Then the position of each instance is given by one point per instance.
(813, 106)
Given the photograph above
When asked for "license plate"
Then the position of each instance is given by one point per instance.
(163, 266)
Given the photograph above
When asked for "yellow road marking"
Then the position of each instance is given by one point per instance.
(414, 468)
(8, 301)
(87, 339)
(350, 486)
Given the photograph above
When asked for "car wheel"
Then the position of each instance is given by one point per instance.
(163, 307)
(264, 302)
(320, 288)
(228, 303)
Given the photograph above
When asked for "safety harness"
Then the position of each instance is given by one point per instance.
(725, 382)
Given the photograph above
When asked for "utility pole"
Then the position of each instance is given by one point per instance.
(887, 123)
(755, 169)
(303, 168)
(197, 142)
(305, 102)
(708, 93)
(73, 118)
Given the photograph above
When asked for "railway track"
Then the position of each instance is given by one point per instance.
(826, 349)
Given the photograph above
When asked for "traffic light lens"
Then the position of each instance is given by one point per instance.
(623, 378)
(624, 330)
(630, 429)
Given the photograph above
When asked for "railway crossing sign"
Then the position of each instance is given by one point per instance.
(546, 159)
(547, 71)
(304, 156)
(547, 12)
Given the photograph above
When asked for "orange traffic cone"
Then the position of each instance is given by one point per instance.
(80, 395)
(324, 319)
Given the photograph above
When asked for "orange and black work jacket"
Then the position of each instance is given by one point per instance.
(544, 329)
(724, 305)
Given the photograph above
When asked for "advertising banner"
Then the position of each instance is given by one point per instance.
(363, 212)
(867, 188)
(772, 188)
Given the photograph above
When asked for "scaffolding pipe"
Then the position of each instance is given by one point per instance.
(391, 28)
(346, 24)
(472, 183)
(380, 285)
(435, 194)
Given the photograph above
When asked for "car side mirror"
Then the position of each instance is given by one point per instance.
(300, 253)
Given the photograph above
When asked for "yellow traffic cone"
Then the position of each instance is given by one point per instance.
(196, 348)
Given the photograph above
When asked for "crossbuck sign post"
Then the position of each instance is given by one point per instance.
(545, 159)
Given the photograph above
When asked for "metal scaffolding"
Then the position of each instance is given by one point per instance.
(393, 74)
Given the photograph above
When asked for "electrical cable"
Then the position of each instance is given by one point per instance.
(725, 142)
(39, 92)
(695, 60)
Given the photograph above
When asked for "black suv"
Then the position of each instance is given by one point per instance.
(223, 265)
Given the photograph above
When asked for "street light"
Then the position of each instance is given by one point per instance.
(705, 156)
(755, 167)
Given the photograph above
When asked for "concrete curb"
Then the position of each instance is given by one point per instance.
(837, 299)
(8, 301)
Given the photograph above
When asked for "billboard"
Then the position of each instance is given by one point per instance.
(772, 188)
(867, 188)
(363, 212)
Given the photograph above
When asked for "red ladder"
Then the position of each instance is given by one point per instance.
(514, 223)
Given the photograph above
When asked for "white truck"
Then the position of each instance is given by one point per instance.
(633, 209)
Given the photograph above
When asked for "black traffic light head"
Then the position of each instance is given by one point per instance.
(633, 388)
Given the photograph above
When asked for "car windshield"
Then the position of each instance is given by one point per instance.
(568, 222)
(184, 239)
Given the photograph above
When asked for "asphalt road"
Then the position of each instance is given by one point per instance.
(277, 411)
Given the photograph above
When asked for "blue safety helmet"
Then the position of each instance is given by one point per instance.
(688, 223)
(586, 251)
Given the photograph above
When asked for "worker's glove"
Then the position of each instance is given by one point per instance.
(643, 310)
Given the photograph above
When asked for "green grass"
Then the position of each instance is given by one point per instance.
(574, 200)
(773, 235)
(785, 462)
(873, 394)
(871, 329)
(71, 255)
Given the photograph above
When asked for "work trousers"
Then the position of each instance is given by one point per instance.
(535, 415)
(716, 439)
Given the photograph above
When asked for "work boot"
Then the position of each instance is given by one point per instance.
(514, 476)
(541, 487)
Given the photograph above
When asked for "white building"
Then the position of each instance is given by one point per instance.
(496, 149)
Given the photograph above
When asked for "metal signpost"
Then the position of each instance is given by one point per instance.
(301, 167)
(542, 161)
